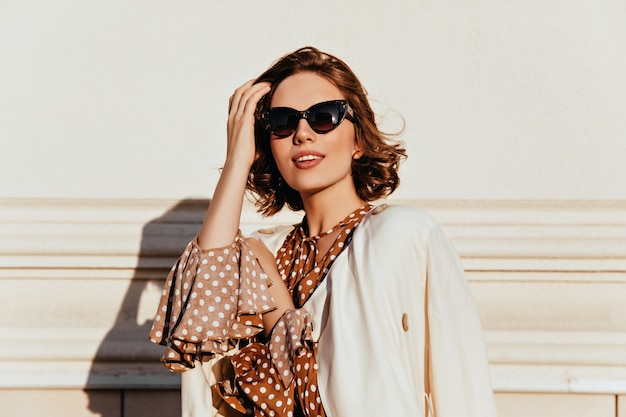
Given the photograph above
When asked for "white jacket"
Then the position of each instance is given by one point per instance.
(398, 333)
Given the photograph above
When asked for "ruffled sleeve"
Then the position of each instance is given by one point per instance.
(269, 377)
(211, 299)
(291, 338)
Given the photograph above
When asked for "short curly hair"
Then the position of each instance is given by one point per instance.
(375, 173)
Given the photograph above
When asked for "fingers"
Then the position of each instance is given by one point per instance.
(236, 97)
(246, 97)
(241, 113)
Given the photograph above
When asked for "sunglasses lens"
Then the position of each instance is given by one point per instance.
(283, 121)
(324, 117)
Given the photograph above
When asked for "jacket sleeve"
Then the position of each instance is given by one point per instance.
(458, 374)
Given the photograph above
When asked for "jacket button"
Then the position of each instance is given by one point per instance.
(405, 322)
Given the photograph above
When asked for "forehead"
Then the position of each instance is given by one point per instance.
(302, 90)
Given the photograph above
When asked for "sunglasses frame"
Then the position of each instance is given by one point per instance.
(345, 112)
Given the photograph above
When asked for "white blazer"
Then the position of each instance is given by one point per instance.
(397, 330)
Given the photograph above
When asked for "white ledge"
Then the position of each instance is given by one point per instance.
(549, 278)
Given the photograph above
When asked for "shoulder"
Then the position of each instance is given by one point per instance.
(272, 237)
(399, 220)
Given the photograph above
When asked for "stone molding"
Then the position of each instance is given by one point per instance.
(79, 280)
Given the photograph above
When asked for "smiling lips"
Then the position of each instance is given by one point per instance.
(308, 159)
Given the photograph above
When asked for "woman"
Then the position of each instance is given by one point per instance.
(358, 310)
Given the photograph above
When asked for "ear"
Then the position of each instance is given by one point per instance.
(357, 153)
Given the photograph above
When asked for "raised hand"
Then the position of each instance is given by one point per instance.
(241, 110)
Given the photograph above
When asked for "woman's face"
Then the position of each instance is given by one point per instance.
(312, 162)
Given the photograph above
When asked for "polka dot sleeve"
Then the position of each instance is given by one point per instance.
(211, 299)
(291, 337)
(280, 378)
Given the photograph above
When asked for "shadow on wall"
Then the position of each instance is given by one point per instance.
(126, 378)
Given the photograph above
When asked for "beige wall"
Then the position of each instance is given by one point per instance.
(127, 99)
(112, 120)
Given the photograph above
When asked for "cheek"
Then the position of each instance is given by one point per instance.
(278, 152)
(347, 144)
(275, 149)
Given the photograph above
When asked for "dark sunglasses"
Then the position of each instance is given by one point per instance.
(322, 117)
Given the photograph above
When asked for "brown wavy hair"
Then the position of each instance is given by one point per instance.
(375, 173)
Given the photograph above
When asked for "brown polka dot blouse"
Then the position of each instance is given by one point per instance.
(213, 301)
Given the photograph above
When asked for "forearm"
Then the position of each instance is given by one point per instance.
(283, 301)
(222, 218)
(278, 290)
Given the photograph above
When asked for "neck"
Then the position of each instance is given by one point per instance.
(325, 210)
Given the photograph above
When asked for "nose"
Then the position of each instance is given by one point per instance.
(303, 133)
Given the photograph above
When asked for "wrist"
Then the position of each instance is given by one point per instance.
(239, 159)
(236, 165)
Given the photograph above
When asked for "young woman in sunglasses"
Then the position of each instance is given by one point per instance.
(359, 310)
